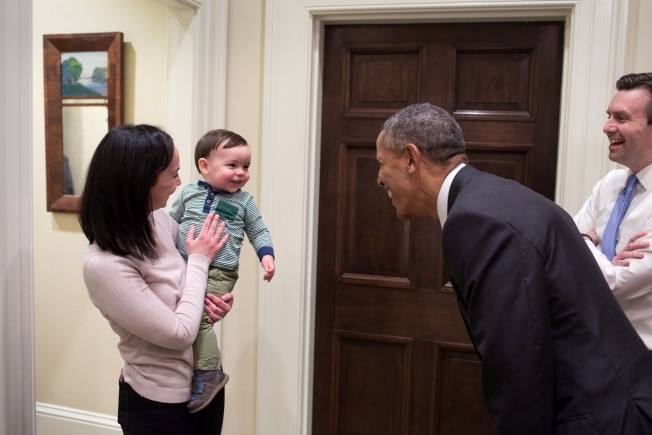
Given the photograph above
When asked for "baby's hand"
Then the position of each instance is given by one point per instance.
(268, 266)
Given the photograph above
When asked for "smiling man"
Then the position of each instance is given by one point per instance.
(558, 354)
(629, 130)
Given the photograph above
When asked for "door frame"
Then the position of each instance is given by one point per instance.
(594, 58)
(16, 227)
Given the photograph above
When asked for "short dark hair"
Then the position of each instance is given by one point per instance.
(430, 128)
(214, 139)
(635, 81)
(115, 204)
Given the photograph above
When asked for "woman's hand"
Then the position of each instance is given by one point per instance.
(209, 241)
(216, 307)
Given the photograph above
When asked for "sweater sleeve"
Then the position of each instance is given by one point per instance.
(160, 303)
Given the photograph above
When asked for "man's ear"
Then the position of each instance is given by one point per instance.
(413, 156)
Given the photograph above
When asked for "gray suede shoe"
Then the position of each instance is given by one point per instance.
(205, 385)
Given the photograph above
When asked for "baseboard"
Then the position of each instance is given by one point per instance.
(59, 420)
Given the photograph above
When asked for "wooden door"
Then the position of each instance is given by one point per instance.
(392, 355)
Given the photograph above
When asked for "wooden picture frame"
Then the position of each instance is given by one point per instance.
(83, 101)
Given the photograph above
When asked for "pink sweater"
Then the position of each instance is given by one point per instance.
(155, 308)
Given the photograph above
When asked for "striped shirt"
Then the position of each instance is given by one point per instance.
(238, 210)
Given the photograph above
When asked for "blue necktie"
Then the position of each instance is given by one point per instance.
(610, 236)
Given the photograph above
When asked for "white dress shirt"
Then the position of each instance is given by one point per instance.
(631, 285)
(442, 197)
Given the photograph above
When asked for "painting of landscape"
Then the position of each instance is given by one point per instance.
(84, 74)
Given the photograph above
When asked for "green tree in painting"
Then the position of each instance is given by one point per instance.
(100, 75)
(71, 70)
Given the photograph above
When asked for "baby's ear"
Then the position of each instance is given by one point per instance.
(203, 165)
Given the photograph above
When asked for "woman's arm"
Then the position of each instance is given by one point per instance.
(151, 299)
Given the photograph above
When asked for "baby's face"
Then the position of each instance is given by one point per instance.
(228, 168)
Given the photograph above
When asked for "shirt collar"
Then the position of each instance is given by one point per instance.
(442, 198)
(645, 177)
(209, 188)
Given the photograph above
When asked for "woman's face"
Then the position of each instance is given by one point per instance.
(166, 183)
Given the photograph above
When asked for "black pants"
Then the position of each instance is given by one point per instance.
(140, 416)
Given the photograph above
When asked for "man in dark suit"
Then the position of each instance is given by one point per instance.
(558, 354)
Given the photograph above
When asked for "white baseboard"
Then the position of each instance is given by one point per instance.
(59, 420)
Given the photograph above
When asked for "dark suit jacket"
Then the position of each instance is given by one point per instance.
(558, 354)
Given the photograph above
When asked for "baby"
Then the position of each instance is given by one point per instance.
(223, 158)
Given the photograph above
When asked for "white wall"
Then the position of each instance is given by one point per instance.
(639, 55)
(243, 115)
(266, 341)
(77, 362)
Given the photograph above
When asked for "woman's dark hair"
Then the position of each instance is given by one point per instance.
(115, 204)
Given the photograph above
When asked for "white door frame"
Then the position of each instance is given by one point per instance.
(16, 228)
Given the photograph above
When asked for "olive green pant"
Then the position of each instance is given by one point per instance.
(206, 353)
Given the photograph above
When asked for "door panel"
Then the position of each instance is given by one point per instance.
(392, 355)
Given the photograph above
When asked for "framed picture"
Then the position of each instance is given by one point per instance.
(84, 74)
(83, 100)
